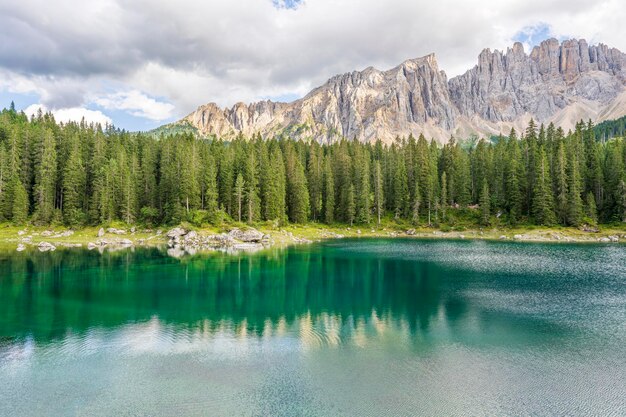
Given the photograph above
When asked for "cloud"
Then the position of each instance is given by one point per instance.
(191, 52)
(136, 104)
(74, 114)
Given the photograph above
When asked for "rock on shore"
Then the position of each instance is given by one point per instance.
(181, 241)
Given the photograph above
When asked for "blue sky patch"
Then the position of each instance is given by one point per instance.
(287, 4)
(533, 35)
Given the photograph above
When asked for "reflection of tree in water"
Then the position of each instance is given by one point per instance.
(47, 295)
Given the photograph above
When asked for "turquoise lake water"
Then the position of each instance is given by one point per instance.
(347, 327)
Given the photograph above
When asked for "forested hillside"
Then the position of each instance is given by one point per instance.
(77, 175)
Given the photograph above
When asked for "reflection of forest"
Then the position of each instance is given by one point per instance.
(46, 294)
(317, 290)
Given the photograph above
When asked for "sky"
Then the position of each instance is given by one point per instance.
(139, 64)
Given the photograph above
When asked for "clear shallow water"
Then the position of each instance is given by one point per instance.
(353, 327)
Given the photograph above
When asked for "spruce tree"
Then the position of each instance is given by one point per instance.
(351, 209)
(561, 184)
(543, 203)
(314, 180)
(485, 203)
(73, 186)
(276, 188)
(20, 201)
(574, 200)
(444, 196)
(591, 213)
(416, 203)
(297, 190)
(329, 192)
(362, 189)
(45, 180)
(400, 189)
(378, 192)
(209, 185)
(239, 194)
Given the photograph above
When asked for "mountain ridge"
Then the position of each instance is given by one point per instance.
(556, 82)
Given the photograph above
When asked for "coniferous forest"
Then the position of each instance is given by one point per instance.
(78, 174)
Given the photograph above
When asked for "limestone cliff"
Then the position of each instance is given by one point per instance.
(559, 82)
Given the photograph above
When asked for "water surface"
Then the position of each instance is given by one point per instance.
(350, 327)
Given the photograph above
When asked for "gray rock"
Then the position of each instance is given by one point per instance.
(176, 232)
(115, 231)
(101, 232)
(249, 235)
(45, 246)
(21, 247)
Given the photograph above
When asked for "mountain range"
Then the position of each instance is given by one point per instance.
(560, 82)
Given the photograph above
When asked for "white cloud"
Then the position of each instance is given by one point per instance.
(191, 51)
(137, 104)
(75, 114)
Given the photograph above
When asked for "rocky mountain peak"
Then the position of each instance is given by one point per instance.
(560, 82)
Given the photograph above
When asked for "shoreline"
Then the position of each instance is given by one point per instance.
(182, 240)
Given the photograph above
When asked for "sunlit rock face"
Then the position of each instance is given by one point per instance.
(556, 82)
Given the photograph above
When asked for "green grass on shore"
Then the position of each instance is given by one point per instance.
(282, 235)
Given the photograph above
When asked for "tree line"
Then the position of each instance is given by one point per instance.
(79, 174)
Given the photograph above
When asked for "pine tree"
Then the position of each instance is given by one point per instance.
(561, 184)
(251, 192)
(297, 190)
(329, 192)
(400, 189)
(378, 191)
(239, 193)
(5, 200)
(416, 203)
(485, 203)
(209, 185)
(73, 186)
(226, 179)
(513, 187)
(351, 205)
(591, 213)
(574, 201)
(275, 188)
(444, 195)
(314, 179)
(362, 189)
(45, 180)
(542, 193)
(20, 201)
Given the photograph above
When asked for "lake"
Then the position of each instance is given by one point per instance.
(376, 327)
